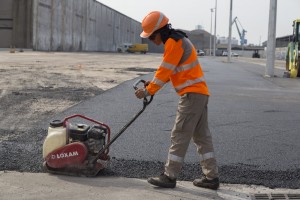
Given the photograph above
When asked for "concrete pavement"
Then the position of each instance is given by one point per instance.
(37, 186)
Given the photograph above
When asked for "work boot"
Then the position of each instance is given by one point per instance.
(205, 183)
(162, 181)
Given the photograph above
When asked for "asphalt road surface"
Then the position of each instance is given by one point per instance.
(254, 122)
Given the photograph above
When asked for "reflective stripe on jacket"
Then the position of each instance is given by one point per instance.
(180, 65)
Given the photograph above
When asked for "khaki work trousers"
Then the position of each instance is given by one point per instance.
(191, 122)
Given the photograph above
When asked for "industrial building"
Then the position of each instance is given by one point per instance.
(73, 25)
(87, 25)
(64, 25)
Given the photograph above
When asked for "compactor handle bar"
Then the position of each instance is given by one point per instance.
(135, 86)
(146, 102)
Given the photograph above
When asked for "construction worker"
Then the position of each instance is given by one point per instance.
(180, 65)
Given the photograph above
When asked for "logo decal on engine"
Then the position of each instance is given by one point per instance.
(65, 155)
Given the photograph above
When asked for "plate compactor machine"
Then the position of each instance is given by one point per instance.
(78, 149)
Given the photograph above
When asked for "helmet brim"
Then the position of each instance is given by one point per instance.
(145, 35)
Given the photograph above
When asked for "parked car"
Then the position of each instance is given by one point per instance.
(200, 52)
(233, 54)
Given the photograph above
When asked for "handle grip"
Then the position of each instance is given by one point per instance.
(135, 86)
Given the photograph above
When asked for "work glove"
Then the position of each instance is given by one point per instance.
(141, 93)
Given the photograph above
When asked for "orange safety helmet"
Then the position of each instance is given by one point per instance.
(152, 22)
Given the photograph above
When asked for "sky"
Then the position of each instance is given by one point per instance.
(253, 15)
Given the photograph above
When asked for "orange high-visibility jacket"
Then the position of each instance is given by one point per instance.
(180, 65)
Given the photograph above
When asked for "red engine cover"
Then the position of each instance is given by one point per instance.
(71, 154)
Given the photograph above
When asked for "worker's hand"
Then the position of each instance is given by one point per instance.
(146, 83)
(140, 93)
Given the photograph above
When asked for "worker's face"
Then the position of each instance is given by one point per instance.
(155, 38)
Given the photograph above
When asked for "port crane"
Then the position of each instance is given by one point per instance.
(242, 33)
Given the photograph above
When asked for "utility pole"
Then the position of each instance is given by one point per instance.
(269, 71)
(230, 32)
(215, 37)
(211, 10)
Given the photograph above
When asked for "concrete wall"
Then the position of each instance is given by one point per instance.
(72, 25)
(22, 23)
(5, 23)
(15, 23)
(80, 25)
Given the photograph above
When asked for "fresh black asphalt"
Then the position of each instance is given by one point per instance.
(254, 122)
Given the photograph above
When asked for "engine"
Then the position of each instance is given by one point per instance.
(93, 137)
